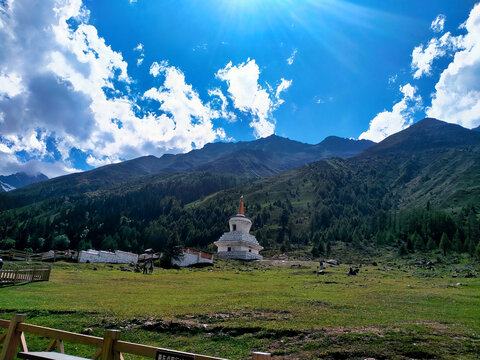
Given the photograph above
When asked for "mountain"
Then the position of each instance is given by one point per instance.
(398, 198)
(18, 180)
(476, 129)
(298, 154)
(334, 146)
(274, 155)
(426, 134)
(248, 159)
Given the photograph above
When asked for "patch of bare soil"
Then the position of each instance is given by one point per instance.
(352, 343)
(300, 263)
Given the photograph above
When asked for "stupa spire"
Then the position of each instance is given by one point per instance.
(241, 209)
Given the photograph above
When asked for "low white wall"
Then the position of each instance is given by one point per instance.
(188, 259)
(117, 257)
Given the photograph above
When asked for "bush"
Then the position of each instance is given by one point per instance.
(7, 244)
(60, 242)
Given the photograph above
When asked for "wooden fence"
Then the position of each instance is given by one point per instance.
(52, 255)
(108, 348)
(24, 275)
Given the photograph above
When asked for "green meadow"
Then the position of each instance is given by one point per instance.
(394, 310)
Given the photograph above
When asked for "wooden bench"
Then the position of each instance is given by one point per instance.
(47, 355)
(53, 355)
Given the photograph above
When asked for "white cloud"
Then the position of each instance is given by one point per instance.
(156, 68)
(250, 97)
(188, 117)
(387, 123)
(322, 100)
(10, 85)
(291, 58)
(457, 93)
(9, 164)
(95, 162)
(224, 113)
(284, 85)
(393, 79)
(439, 23)
(201, 47)
(423, 57)
(141, 54)
(64, 84)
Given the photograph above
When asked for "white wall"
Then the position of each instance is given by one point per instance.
(117, 257)
(188, 259)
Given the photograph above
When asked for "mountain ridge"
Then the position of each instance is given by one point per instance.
(273, 154)
(18, 180)
(425, 134)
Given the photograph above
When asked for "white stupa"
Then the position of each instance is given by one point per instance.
(239, 243)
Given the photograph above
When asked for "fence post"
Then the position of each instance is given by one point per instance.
(111, 336)
(261, 356)
(12, 339)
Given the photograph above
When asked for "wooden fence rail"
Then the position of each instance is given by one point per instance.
(52, 255)
(108, 348)
(24, 275)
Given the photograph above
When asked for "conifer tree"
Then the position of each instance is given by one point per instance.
(431, 244)
(444, 243)
(321, 248)
(418, 243)
(329, 249)
(173, 250)
(477, 251)
(402, 250)
(457, 242)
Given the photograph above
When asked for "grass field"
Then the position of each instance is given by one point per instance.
(390, 311)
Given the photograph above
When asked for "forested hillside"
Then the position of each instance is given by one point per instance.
(414, 200)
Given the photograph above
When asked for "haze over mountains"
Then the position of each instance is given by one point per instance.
(18, 180)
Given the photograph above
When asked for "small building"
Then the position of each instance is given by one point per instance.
(190, 257)
(238, 243)
(107, 257)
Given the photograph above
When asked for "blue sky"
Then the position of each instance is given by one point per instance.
(88, 84)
